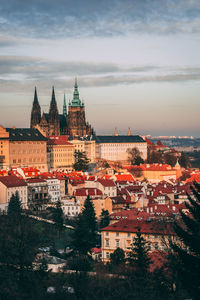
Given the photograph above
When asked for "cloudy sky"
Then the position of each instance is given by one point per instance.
(137, 62)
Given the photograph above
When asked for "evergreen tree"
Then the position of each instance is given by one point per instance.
(85, 233)
(187, 247)
(58, 217)
(14, 206)
(117, 257)
(139, 255)
(104, 219)
(139, 263)
(81, 161)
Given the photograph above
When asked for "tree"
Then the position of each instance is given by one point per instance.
(187, 246)
(134, 156)
(19, 244)
(154, 156)
(85, 233)
(139, 263)
(14, 206)
(139, 255)
(184, 160)
(104, 218)
(58, 217)
(81, 161)
(136, 171)
(117, 257)
(170, 159)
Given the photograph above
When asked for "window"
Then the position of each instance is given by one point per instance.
(107, 233)
(117, 233)
(117, 243)
(107, 243)
(107, 255)
(129, 234)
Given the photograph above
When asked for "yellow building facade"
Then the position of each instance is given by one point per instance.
(22, 147)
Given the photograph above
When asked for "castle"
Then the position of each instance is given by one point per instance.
(72, 123)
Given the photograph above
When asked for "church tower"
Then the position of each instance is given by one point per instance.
(76, 115)
(54, 123)
(64, 107)
(36, 111)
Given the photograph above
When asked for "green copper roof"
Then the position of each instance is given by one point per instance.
(76, 101)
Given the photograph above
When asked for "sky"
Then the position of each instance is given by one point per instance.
(137, 62)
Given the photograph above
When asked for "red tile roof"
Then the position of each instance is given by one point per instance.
(12, 181)
(58, 140)
(106, 182)
(147, 227)
(87, 191)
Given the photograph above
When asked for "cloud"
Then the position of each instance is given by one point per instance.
(20, 74)
(61, 18)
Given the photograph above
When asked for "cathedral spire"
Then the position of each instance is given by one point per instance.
(35, 101)
(76, 101)
(36, 111)
(64, 107)
(53, 105)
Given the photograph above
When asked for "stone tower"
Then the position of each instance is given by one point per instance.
(76, 116)
(54, 123)
(36, 111)
(64, 108)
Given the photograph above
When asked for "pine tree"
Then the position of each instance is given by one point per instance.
(139, 255)
(139, 263)
(14, 206)
(187, 246)
(58, 217)
(81, 161)
(85, 233)
(104, 219)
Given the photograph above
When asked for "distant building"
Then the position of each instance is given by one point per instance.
(37, 193)
(114, 148)
(22, 147)
(121, 234)
(60, 153)
(9, 185)
(52, 123)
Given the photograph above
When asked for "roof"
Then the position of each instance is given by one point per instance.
(12, 181)
(106, 182)
(25, 134)
(87, 191)
(35, 180)
(148, 227)
(119, 139)
(58, 140)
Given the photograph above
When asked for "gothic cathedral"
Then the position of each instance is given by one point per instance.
(72, 123)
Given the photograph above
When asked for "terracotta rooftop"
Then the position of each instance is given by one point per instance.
(147, 227)
(12, 181)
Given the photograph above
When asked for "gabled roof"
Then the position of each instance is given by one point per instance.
(12, 181)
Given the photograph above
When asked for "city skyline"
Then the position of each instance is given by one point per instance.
(136, 62)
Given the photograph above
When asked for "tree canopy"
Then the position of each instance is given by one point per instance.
(135, 156)
(81, 161)
(85, 233)
(187, 246)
